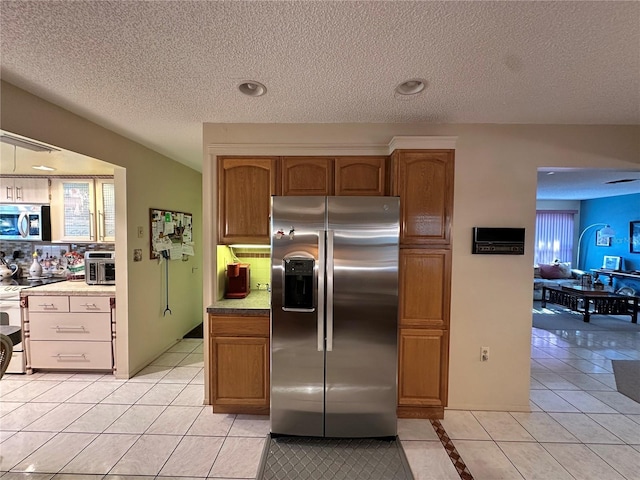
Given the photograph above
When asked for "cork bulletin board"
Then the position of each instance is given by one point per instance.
(171, 234)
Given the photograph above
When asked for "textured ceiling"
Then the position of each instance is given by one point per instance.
(154, 71)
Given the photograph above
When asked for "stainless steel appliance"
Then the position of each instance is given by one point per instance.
(334, 308)
(25, 222)
(100, 267)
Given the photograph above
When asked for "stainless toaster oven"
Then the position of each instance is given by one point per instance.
(100, 267)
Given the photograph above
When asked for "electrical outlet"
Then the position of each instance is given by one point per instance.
(140, 232)
(484, 354)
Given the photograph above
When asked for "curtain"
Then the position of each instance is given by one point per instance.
(554, 236)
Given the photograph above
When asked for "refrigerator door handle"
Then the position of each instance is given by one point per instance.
(329, 290)
(322, 255)
(298, 310)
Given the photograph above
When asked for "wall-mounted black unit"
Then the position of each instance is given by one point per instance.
(498, 241)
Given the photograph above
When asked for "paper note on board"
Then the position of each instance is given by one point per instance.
(169, 228)
(187, 249)
(175, 253)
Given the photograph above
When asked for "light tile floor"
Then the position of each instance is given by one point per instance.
(85, 426)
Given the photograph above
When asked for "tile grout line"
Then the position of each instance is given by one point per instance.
(451, 450)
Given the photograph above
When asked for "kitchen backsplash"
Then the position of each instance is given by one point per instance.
(258, 258)
(20, 252)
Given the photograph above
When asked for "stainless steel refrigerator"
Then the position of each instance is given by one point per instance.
(334, 309)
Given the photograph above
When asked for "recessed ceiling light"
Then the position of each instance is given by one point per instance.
(252, 88)
(43, 167)
(411, 87)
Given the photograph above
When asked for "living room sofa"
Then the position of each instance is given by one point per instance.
(556, 274)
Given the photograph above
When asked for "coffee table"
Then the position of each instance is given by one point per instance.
(589, 301)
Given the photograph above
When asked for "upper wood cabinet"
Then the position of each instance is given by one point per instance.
(425, 284)
(424, 181)
(245, 186)
(24, 190)
(307, 176)
(361, 176)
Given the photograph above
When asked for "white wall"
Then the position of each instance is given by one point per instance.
(495, 185)
(144, 179)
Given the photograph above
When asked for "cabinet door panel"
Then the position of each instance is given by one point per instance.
(423, 367)
(424, 182)
(240, 371)
(307, 176)
(73, 210)
(360, 175)
(425, 287)
(245, 186)
(32, 190)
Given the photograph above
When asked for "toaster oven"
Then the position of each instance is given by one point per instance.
(100, 267)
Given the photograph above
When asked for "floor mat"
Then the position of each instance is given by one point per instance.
(312, 458)
(627, 374)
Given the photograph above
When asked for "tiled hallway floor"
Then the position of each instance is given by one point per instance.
(85, 426)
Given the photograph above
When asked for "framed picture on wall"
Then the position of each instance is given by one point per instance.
(634, 236)
(611, 263)
(602, 240)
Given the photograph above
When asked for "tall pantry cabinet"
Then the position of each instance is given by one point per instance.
(424, 181)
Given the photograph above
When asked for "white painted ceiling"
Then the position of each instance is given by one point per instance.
(155, 71)
(583, 184)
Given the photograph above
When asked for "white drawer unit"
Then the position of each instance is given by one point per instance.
(74, 355)
(49, 303)
(70, 326)
(89, 304)
(70, 332)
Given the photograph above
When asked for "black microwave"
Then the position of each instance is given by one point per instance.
(25, 222)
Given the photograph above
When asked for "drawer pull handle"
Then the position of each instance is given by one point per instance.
(89, 305)
(46, 305)
(58, 328)
(69, 355)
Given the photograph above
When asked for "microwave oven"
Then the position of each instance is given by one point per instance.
(100, 267)
(25, 222)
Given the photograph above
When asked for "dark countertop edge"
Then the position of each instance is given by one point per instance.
(243, 312)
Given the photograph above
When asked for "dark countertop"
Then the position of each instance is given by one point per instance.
(257, 303)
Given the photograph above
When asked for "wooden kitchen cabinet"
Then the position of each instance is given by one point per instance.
(361, 175)
(424, 287)
(239, 356)
(422, 372)
(245, 186)
(307, 176)
(424, 181)
(24, 190)
(69, 332)
(325, 176)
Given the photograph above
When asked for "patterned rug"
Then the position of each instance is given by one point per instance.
(559, 319)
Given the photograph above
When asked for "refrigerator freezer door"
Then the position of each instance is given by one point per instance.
(297, 351)
(361, 367)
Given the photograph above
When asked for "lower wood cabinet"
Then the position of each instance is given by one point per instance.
(239, 356)
(422, 372)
